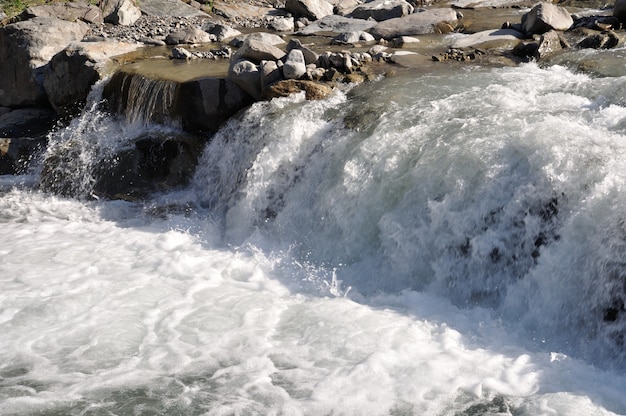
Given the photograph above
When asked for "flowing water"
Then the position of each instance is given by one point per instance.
(422, 245)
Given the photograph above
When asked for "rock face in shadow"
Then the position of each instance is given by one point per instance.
(25, 48)
(198, 106)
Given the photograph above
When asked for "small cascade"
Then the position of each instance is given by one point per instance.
(143, 100)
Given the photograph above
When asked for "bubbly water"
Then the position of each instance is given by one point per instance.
(432, 245)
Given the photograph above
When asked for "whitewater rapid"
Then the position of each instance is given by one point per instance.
(429, 245)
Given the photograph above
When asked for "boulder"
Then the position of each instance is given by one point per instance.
(294, 67)
(440, 20)
(27, 122)
(181, 53)
(121, 12)
(403, 41)
(545, 17)
(311, 9)
(549, 43)
(25, 47)
(268, 38)
(619, 10)
(16, 153)
(313, 90)
(175, 8)
(247, 76)
(206, 103)
(257, 51)
(220, 31)
(497, 38)
(71, 73)
(380, 10)
(310, 56)
(190, 35)
(283, 24)
(70, 11)
(270, 73)
(337, 24)
(353, 37)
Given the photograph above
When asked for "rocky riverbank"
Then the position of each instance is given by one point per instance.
(52, 55)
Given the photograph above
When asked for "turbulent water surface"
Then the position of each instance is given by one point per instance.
(432, 245)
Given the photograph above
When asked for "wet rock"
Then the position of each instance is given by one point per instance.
(602, 40)
(203, 105)
(440, 20)
(191, 35)
(380, 10)
(313, 90)
(70, 11)
(247, 76)
(17, 153)
(181, 53)
(619, 10)
(545, 17)
(337, 24)
(25, 47)
(31, 122)
(311, 9)
(295, 66)
(460, 55)
(71, 73)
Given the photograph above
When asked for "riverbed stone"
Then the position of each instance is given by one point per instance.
(545, 17)
(311, 9)
(123, 12)
(263, 37)
(190, 35)
(270, 73)
(380, 10)
(25, 48)
(423, 22)
(353, 38)
(175, 8)
(220, 31)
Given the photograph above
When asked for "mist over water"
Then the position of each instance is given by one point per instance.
(432, 245)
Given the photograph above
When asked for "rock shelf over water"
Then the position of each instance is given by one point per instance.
(52, 55)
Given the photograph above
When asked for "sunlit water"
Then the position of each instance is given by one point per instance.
(435, 245)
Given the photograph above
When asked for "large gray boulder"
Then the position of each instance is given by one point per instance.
(440, 20)
(337, 24)
(175, 8)
(71, 73)
(310, 56)
(545, 17)
(220, 31)
(70, 11)
(25, 47)
(380, 10)
(311, 9)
